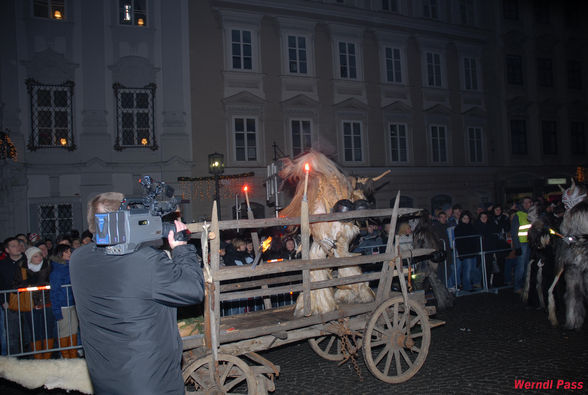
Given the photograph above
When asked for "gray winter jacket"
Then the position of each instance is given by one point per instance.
(126, 306)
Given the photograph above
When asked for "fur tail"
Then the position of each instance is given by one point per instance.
(551, 300)
(525, 295)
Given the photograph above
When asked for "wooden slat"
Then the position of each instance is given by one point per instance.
(293, 278)
(196, 228)
(239, 272)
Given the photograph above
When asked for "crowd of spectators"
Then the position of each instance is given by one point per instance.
(33, 320)
(491, 231)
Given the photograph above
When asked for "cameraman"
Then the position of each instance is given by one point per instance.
(126, 306)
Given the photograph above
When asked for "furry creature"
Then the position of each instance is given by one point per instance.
(423, 237)
(572, 257)
(540, 270)
(68, 374)
(326, 186)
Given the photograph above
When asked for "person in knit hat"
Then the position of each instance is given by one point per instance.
(40, 321)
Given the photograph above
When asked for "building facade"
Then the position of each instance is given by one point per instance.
(94, 95)
(423, 88)
(465, 101)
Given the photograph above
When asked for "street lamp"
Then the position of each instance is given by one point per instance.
(216, 167)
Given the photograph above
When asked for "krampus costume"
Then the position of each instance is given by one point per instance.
(327, 188)
(572, 257)
(424, 237)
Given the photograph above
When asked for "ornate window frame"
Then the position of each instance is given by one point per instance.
(151, 141)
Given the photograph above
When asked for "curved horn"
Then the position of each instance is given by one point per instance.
(560, 188)
(381, 175)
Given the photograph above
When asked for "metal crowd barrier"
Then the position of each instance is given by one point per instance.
(375, 249)
(18, 337)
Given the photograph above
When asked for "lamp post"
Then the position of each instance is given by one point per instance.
(216, 167)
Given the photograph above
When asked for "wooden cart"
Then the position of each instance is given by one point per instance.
(393, 332)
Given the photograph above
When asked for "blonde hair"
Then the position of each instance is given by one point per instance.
(239, 243)
(106, 202)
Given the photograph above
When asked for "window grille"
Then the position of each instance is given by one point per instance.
(135, 117)
(51, 115)
(55, 219)
(52, 9)
(244, 132)
(133, 12)
(352, 141)
(301, 136)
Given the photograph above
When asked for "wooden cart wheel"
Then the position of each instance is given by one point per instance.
(234, 376)
(329, 346)
(389, 353)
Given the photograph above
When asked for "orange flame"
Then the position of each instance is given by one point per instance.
(266, 244)
(306, 167)
(244, 188)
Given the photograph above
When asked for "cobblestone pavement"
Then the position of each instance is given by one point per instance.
(488, 342)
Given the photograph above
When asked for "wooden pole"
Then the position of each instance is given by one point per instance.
(305, 240)
(215, 264)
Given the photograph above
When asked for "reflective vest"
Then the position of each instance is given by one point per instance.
(524, 226)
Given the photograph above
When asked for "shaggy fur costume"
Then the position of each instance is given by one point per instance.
(326, 186)
(423, 237)
(68, 374)
(572, 257)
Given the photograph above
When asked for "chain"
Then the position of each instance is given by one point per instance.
(349, 347)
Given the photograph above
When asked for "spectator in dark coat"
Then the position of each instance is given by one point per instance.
(466, 244)
(126, 306)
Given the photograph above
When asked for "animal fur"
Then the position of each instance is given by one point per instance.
(572, 257)
(423, 237)
(326, 186)
(68, 374)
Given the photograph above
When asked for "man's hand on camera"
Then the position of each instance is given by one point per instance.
(173, 243)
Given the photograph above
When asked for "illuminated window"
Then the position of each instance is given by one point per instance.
(135, 117)
(133, 12)
(52, 9)
(51, 115)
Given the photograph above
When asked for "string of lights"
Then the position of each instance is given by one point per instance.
(203, 188)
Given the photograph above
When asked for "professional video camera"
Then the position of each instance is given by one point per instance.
(138, 220)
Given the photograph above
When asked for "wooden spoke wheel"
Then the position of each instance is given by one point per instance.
(329, 346)
(233, 376)
(396, 345)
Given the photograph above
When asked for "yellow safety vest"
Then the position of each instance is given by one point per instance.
(524, 226)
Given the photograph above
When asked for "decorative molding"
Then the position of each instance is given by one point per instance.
(50, 67)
